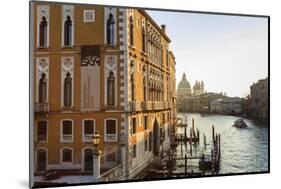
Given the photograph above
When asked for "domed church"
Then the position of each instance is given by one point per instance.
(184, 88)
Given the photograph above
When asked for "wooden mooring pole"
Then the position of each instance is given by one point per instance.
(185, 164)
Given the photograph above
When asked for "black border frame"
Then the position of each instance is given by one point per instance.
(31, 185)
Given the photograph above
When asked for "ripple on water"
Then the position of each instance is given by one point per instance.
(243, 150)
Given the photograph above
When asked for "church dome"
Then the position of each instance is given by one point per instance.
(184, 83)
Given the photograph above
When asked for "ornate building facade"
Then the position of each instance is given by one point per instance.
(259, 99)
(100, 69)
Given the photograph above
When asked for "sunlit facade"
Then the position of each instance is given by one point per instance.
(100, 69)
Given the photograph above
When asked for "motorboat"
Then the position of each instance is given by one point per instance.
(239, 123)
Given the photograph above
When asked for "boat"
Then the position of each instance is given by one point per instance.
(239, 123)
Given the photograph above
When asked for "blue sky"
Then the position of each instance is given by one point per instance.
(228, 53)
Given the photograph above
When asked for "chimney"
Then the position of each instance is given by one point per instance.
(163, 26)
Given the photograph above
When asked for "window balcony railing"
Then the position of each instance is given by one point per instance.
(88, 137)
(135, 106)
(67, 138)
(146, 105)
(41, 107)
(42, 138)
(158, 106)
(110, 137)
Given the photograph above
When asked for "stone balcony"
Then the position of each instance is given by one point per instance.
(41, 107)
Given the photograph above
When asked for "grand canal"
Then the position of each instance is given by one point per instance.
(242, 150)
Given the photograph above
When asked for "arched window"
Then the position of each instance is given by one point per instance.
(43, 32)
(67, 155)
(111, 89)
(43, 89)
(131, 31)
(110, 130)
(110, 29)
(132, 87)
(67, 90)
(144, 89)
(68, 31)
(143, 40)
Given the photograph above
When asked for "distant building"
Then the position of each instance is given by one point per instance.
(226, 106)
(201, 103)
(183, 93)
(259, 98)
(198, 88)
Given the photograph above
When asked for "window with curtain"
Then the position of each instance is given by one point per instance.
(110, 30)
(67, 90)
(43, 89)
(43, 32)
(111, 89)
(68, 31)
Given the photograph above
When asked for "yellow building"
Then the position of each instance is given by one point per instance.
(100, 69)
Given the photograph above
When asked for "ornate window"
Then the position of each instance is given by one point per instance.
(110, 130)
(111, 89)
(110, 29)
(43, 89)
(67, 131)
(68, 31)
(131, 31)
(67, 90)
(43, 32)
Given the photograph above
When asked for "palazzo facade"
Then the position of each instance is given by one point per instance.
(102, 69)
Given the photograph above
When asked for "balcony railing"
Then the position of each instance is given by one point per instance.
(135, 106)
(110, 137)
(41, 107)
(67, 138)
(88, 137)
(158, 105)
(42, 138)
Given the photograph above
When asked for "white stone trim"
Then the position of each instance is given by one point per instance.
(43, 10)
(107, 11)
(110, 64)
(116, 128)
(61, 131)
(42, 66)
(66, 164)
(36, 160)
(83, 126)
(67, 10)
(85, 12)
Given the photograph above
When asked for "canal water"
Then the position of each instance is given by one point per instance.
(242, 150)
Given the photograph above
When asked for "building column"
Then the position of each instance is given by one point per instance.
(96, 165)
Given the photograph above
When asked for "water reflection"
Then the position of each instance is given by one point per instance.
(242, 150)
